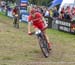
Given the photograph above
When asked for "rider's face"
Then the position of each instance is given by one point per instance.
(33, 15)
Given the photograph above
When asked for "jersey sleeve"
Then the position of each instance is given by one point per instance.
(39, 15)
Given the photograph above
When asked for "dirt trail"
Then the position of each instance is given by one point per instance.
(17, 48)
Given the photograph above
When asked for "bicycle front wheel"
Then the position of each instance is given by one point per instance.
(44, 47)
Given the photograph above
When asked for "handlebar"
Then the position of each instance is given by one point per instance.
(38, 31)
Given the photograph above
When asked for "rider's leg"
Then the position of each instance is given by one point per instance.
(49, 43)
(14, 22)
(41, 27)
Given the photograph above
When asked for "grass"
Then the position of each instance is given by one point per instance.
(17, 48)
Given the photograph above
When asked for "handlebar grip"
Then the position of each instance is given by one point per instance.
(31, 33)
(44, 28)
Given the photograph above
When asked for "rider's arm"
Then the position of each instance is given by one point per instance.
(45, 22)
(29, 27)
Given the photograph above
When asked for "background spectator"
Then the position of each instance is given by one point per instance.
(47, 13)
(3, 4)
(55, 12)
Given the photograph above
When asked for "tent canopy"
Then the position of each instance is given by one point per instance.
(24, 1)
(55, 2)
(66, 3)
(61, 2)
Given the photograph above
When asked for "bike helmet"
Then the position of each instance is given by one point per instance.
(32, 11)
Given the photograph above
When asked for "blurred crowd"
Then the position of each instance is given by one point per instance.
(3, 5)
(67, 13)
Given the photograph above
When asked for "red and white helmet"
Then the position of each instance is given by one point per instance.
(32, 11)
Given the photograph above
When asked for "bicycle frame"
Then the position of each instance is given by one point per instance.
(16, 22)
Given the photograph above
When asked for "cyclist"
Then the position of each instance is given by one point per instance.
(15, 13)
(38, 22)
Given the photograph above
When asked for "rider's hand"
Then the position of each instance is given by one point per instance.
(16, 15)
(29, 33)
(46, 25)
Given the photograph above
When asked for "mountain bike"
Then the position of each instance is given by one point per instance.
(42, 42)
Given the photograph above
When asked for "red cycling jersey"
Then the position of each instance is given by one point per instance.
(37, 20)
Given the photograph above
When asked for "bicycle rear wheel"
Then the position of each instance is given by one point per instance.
(16, 22)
